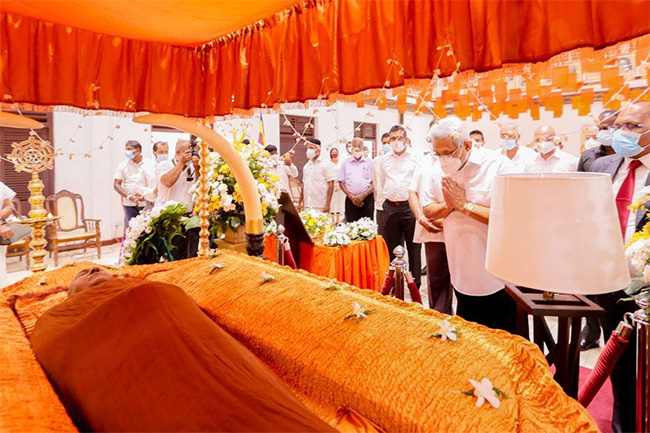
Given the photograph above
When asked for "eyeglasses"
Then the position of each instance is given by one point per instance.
(446, 154)
(629, 126)
(395, 139)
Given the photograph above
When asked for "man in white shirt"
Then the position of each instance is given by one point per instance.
(478, 140)
(147, 181)
(126, 180)
(463, 193)
(550, 159)
(630, 168)
(395, 173)
(431, 235)
(284, 169)
(177, 176)
(6, 210)
(378, 191)
(318, 177)
(521, 156)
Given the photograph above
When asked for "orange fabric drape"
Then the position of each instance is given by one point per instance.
(314, 48)
(362, 264)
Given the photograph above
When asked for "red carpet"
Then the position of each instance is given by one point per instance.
(600, 408)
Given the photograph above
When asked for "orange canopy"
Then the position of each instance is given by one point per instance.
(315, 47)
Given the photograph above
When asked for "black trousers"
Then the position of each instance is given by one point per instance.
(400, 225)
(381, 222)
(130, 212)
(624, 373)
(354, 213)
(496, 311)
(440, 288)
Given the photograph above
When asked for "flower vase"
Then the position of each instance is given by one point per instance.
(236, 236)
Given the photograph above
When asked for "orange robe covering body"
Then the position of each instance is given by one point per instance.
(130, 355)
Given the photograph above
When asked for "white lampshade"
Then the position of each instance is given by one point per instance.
(556, 232)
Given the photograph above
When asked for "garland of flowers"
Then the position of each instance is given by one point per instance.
(149, 236)
(226, 205)
(316, 222)
(336, 239)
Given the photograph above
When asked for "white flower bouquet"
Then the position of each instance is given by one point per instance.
(316, 222)
(149, 236)
(226, 200)
(336, 239)
(364, 229)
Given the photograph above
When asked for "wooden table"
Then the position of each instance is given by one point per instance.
(569, 309)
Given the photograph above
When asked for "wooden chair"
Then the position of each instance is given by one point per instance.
(296, 189)
(19, 248)
(72, 230)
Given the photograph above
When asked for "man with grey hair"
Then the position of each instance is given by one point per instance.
(355, 180)
(520, 156)
(462, 188)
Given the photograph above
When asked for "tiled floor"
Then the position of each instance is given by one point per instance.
(110, 256)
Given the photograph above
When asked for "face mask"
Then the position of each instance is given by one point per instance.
(546, 147)
(604, 137)
(476, 144)
(508, 144)
(399, 146)
(357, 154)
(162, 157)
(591, 143)
(626, 143)
(386, 148)
(129, 154)
(311, 153)
(450, 164)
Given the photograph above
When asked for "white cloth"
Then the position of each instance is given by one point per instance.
(180, 190)
(640, 177)
(378, 192)
(465, 237)
(6, 193)
(315, 178)
(422, 184)
(147, 182)
(396, 173)
(284, 172)
(559, 162)
(523, 158)
(338, 196)
(129, 173)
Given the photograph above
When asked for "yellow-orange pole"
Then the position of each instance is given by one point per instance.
(17, 121)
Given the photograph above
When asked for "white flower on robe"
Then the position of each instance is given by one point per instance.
(484, 390)
(447, 331)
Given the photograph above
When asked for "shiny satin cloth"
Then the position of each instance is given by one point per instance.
(311, 49)
(361, 264)
(132, 355)
(386, 367)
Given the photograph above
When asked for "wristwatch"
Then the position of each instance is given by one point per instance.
(469, 208)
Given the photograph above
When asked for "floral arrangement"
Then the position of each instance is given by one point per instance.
(270, 228)
(149, 236)
(316, 222)
(637, 252)
(226, 205)
(336, 238)
(363, 229)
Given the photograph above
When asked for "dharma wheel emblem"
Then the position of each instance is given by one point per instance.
(32, 155)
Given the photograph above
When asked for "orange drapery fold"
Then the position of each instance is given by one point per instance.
(315, 48)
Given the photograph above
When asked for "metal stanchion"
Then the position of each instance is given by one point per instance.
(641, 319)
(399, 265)
(281, 241)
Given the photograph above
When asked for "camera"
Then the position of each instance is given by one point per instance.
(193, 149)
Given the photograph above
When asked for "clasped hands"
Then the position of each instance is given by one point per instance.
(454, 195)
(137, 198)
(357, 200)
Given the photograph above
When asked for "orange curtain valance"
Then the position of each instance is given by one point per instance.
(316, 48)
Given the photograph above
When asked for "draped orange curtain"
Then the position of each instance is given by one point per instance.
(314, 48)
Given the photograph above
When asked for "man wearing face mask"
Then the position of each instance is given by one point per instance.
(355, 180)
(630, 170)
(520, 156)
(603, 138)
(551, 159)
(177, 176)
(338, 197)
(284, 169)
(462, 189)
(318, 177)
(396, 172)
(147, 180)
(378, 188)
(477, 138)
(126, 180)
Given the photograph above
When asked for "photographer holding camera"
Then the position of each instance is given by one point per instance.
(176, 177)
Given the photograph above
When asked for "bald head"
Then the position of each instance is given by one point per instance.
(635, 120)
(544, 132)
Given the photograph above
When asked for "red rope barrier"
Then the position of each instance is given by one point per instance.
(389, 283)
(606, 362)
(415, 293)
(289, 260)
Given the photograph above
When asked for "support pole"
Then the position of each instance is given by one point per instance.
(204, 200)
(399, 265)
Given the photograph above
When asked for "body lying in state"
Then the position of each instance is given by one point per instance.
(126, 354)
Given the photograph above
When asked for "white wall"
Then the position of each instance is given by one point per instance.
(93, 177)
